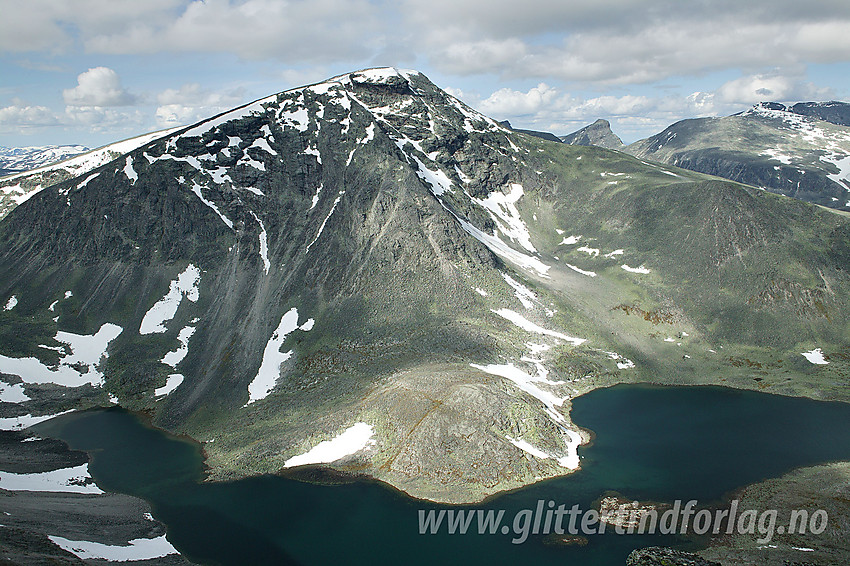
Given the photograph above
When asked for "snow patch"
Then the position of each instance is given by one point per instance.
(525, 382)
(262, 143)
(86, 353)
(525, 324)
(776, 155)
(130, 172)
(622, 361)
(461, 175)
(175, 357)
(172, 382)
(67, 480)
(439, 181)
(501, 249)
(12, 393)
(594, 252)
(815, 356)
(503, 211)
(523, 293)
(264, 244)
(196, 188)
(316, 196)
(26, 421)
(164, 309)
(571, 460)
(136, 549)
(269, 371)
(579, 270)
(86, 182)
(640, 269)
(325, 221)
(528, 448)
(354, 439)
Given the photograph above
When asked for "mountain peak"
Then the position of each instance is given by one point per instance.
(598, 133)
(834, 111)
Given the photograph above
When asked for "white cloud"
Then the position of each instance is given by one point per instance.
(191, 103)
(103, 120)
(296, 30)
(757, 88)
(53, 25)
(192, 93)
(20, 115)
(510, 102)
(100, 86)
(549, 109)
(294, 78)
(627, 42)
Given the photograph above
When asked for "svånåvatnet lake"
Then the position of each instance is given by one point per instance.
(651, 443)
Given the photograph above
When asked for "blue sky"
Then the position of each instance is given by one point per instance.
(94, 71)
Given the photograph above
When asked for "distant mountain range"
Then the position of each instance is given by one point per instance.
(800, 150)
(16, 188)
(19, 159)
(792, 150)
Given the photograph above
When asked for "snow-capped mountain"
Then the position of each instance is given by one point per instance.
(20, 159)
(369, 260)
(834, 111)
(789, 150)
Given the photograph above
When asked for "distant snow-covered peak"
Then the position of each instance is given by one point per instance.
(20, 159)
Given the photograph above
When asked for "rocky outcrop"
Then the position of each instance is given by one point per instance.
(598, 133)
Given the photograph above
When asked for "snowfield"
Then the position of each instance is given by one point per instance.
(269, 371)
(67, 480)
(164, 309)
(136, 549)
(354, 439)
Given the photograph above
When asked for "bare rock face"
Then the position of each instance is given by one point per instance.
(598, 133)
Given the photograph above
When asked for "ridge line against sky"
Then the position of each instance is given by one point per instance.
(94, 71)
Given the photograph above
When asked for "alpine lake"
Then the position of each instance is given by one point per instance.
(651, 443)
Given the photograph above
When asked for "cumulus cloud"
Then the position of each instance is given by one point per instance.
(546, 103)
(599, 41)
(760, 87)
(23, 116)
(99, 119)
(191, 103)
(100, 86)
(511, 102)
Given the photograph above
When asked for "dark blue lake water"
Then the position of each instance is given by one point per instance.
(651, 443)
